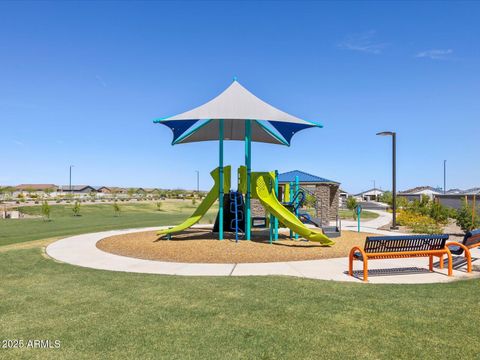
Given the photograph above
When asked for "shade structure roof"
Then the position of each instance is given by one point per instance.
(234, 106)
(303, 177)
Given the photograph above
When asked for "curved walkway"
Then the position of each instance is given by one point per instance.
(81, 250)
(372, 225)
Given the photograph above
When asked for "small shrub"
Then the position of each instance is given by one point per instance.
(351, 205)
(46, 211)
(76, 208)
(419, 223)
(116, 209)
(465, 220)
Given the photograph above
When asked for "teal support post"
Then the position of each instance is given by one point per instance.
(297, 201)
(248, 165)
(275, 219)
(221, 190)
(272, 230)
(291, 200)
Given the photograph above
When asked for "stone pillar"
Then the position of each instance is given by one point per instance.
(327, 202)
(322, 193)
(334, 200)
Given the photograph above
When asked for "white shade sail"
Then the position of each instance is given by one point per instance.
(235, 105)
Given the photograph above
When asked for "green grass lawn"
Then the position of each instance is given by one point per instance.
(348, 215)
(110, 315)
(95, 217)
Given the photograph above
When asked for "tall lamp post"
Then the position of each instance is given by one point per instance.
(394, 175)
(198, 180)
(444, 177)
(70, 181)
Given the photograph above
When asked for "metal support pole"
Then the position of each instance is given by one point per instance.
(297, 200)
(198, 181)
(220, 190)
(275, 220)
(394, 181)
(70, 183)
(248, 164)
(444, 177)
(291, 203)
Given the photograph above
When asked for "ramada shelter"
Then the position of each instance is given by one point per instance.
(325, 191)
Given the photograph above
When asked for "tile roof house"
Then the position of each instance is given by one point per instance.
(370, 195)
(35, 187)
(456, 199)
(416, 193)
(77, 188)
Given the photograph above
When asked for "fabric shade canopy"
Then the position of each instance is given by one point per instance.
(234, 106)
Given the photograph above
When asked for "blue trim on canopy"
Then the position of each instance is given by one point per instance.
(287, 130)
(279, 138)
(178, 127)
(187, 134)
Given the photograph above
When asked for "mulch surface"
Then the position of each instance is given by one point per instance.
(201, 246)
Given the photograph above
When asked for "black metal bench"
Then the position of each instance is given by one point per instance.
(392, 247)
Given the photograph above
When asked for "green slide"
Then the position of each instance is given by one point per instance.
(263, 190)
(206, 204)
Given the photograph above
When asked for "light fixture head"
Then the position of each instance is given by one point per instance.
(386, 133)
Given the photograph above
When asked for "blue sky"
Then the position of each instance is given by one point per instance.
(80, 83)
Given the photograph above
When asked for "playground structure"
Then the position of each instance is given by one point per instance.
(264, 187)
(237, 114)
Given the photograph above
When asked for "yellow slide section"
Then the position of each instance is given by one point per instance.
(206, 204)
(262, 189)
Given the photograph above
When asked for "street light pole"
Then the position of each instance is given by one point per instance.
(394, 176)
(444, 177)
(70, 181)
(198, 180)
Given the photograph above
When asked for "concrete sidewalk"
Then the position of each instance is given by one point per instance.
(81, 250)
(373, 225)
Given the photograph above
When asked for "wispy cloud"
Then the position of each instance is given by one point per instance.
(363, 42)
(100, 80)
(435, 54)
(18, 142)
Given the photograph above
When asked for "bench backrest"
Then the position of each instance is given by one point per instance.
(471, 238)
(380, 244)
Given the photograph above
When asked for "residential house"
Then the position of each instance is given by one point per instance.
(34, 190)
(419, 191)
(370, 195)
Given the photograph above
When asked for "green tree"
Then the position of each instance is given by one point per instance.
(351, 205)
(76, 208)
(465, 220)
(46, 209)
(386, 198)
(116, 208)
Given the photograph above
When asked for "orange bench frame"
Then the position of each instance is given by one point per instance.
(409, 254)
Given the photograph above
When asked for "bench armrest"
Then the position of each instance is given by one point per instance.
(458, 245)
(466, 250)
(359, 249)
